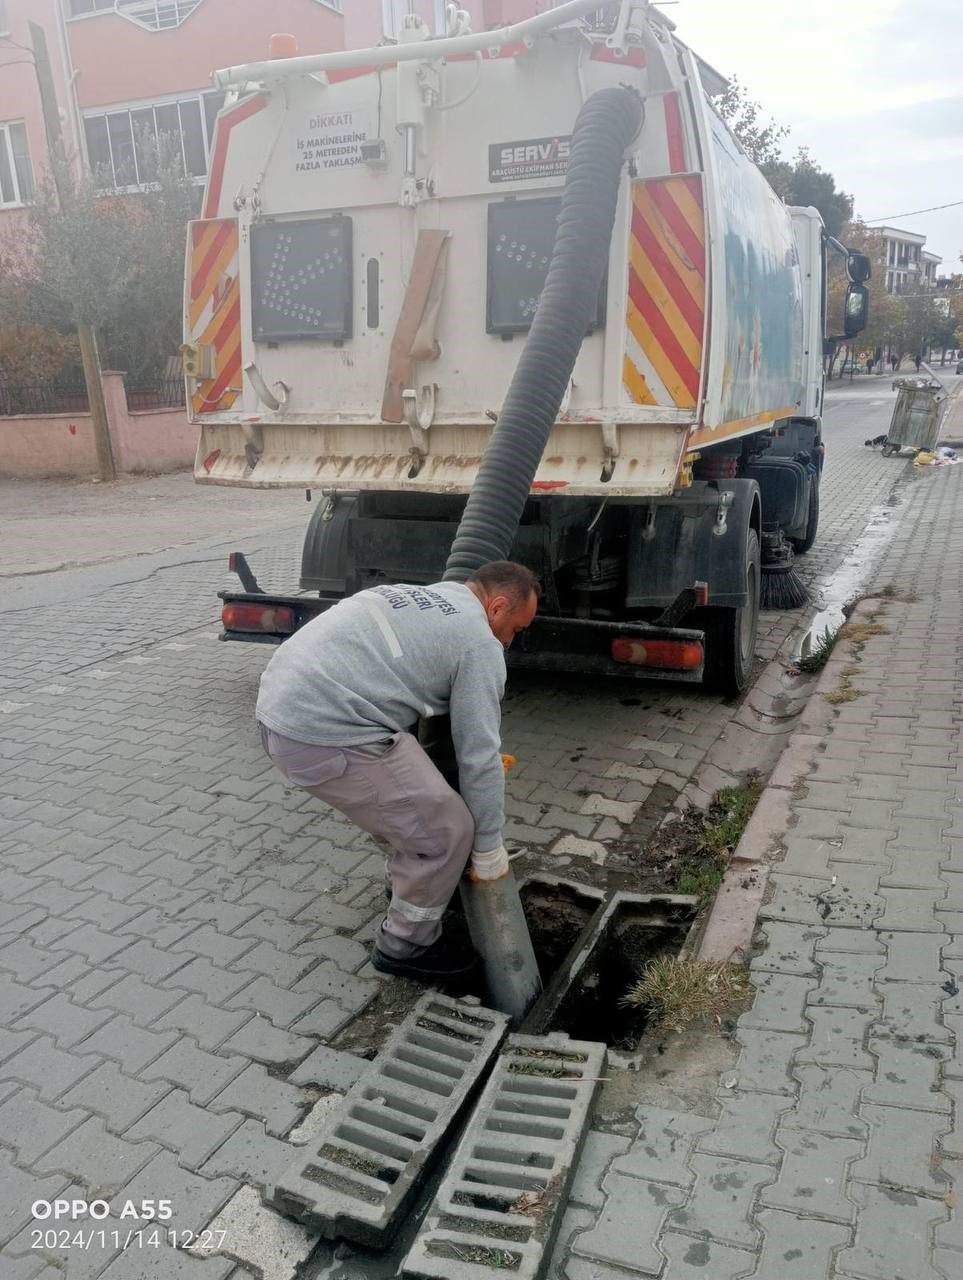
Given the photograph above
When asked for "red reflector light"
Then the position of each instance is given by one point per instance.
(668, 655)
(258, 617)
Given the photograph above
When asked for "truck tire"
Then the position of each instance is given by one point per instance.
(731, 633)
(802, 545)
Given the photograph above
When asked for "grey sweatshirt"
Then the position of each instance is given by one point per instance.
(374, 663)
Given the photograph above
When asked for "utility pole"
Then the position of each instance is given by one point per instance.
(85, 333)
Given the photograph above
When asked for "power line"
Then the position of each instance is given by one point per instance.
(913, 212)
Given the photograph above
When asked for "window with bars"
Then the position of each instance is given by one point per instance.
(156, 15)
(121, 144)
(16, 171)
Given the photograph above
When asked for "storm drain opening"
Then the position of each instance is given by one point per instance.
(556, 912)
(585, 990)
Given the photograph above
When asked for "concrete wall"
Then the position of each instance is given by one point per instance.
(62, 444)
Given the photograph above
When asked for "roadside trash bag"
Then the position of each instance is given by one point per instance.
(924, 459)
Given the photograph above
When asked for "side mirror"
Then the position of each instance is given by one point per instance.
(858, 267)
(856, 314)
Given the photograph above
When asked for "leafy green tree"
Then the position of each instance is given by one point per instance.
(759, 138)
(803, 182)
(112, 262)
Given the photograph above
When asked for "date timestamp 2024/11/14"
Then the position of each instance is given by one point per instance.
(125, 1238)
(87, 1228)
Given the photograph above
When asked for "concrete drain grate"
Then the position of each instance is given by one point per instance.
(359, 1175)
(497, 1209)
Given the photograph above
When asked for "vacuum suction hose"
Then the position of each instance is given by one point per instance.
(606, 125)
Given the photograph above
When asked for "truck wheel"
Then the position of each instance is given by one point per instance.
(731, 633)
(802, 545)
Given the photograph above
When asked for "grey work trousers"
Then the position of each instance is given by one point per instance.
(394, 792)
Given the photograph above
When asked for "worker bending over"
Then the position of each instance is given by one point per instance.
(336, 706)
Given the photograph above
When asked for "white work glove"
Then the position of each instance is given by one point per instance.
(488, 866)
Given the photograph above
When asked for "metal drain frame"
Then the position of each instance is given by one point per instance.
(519, 1152)
(359, 1176)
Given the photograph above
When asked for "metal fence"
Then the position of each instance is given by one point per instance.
(21, 400)
(24, 399)
(164, 393)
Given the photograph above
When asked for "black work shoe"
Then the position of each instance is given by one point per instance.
(446, 960)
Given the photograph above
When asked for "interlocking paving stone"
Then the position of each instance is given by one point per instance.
(779, 1002)
(912, 957)
(796, 1246)
(838, 1038)
(116, 1097)
(662, 1147)
(629, 1225)
(745, 1126)
(765, 1059)
(789, 948)
(828, 1101)
(191, 1132)
(720, 1204)
(893, 1234)
(256, 1093)
(911, 909)
(907, 1074)
(847, 981)
(912, 1013)
(691, 1259)
(598, 1151)
(18, 1190)
(95, 1158)
(813, 1173)
(901, 1147)
(202, 1074)
(49, 1069)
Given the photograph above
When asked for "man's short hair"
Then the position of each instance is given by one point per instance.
(506, 578)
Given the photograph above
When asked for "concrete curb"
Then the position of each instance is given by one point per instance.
(731, 922)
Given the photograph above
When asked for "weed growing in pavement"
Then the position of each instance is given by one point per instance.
(857, 633)
(818, 656)
(729, 812)
(702, 884)
(679, 991)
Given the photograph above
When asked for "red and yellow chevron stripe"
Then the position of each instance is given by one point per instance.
(665, 311)
(214, 310)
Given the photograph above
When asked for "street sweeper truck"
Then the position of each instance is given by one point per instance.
(376, 235)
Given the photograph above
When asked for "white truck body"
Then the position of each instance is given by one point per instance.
(357, 244)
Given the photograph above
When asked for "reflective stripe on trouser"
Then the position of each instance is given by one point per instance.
(397, 795)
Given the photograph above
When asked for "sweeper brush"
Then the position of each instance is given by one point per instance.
(781, 586)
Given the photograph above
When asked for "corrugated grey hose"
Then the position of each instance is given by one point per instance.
(606, 124)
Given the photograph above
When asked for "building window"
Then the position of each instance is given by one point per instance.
(156, 15)
(16, 172)
(4, 25)
(120, 144)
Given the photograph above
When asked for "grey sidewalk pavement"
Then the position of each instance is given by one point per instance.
(834, 1145)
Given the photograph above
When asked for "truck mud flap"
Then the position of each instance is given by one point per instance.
(358, 1178)
(500, 1202)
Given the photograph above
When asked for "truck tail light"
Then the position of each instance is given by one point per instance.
(667, 655)
(258, 617)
